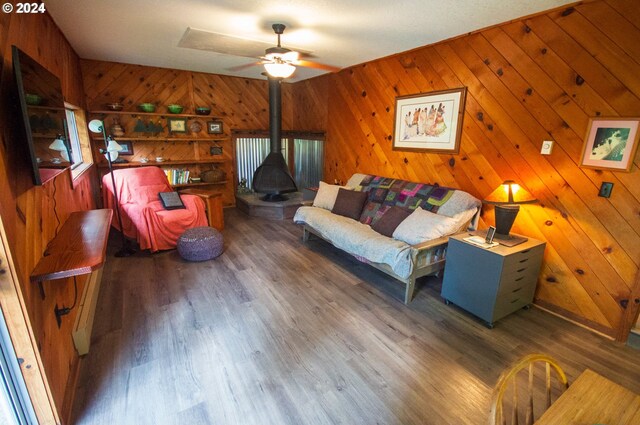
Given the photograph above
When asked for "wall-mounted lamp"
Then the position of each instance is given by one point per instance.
(59, 145)
(110, 151)
(507, 198)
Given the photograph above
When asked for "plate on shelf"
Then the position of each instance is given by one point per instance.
(195, 127)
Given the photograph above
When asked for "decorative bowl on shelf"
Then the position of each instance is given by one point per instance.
(32, 99)
(175, 109)
(147, 107)
(116, 106)
(203, 110)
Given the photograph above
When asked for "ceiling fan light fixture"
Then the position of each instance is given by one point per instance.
(279, 70)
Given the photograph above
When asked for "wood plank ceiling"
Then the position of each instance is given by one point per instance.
(539, 78)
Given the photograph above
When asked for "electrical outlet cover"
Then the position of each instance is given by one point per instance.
(605, 189)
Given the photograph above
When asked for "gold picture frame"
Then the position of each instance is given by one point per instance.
(430, 122)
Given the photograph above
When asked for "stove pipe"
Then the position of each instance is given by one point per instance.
(273, 177)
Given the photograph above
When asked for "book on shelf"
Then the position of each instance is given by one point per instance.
(177, 175)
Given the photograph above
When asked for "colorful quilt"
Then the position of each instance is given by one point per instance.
(385, 192)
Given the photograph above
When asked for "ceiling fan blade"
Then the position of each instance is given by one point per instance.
(317, 65)
(244, 66)
(291, 56)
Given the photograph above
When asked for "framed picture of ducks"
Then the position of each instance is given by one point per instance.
(429, 122)
(610, 143)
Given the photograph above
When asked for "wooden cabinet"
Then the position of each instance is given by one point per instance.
(147, 136)
(491, 283)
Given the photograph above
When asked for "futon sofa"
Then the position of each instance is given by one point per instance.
(397, 226)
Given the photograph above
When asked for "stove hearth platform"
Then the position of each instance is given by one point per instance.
(252, 205)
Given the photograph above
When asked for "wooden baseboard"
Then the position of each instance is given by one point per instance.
(569, 317)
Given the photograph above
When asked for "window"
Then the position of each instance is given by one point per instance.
(75, 150)
(79, 146)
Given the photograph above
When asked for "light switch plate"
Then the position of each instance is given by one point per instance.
(547, 147)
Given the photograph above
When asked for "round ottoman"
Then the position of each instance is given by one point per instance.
(200, 244)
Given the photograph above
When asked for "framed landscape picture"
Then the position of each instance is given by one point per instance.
(610, 143)
(177, 125)
(214, 127)
(430, 122)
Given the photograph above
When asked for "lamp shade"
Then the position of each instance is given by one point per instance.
(507, 198)
(96, 126)
(113, 146)
(111, 152)
(279, 69)
(509, 193)
(59, 145)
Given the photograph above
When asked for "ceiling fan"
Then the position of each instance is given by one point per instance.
(281, 62)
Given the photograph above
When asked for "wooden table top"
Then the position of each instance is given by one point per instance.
(79, 247)
(593, 399)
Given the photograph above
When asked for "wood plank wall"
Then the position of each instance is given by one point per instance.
(241, 103)
(32, 215)
(534, 79)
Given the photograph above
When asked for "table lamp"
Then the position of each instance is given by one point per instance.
(507, 199)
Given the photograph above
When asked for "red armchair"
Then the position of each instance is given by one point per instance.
(143, 216)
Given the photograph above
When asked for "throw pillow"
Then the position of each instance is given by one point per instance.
(390, 220)
(423, 225)
(349, 203)
(326, 196)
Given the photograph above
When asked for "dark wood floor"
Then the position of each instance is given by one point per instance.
(278, 332)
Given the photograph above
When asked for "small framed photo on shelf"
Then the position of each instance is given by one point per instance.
(610, 143)
(177, 125)
(215, 150)
(214, 127)
(127, 148)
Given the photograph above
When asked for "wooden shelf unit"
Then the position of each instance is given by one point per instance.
(191, 151)
(165, 139)
(178, 186)
(159, 114)
(163, 163)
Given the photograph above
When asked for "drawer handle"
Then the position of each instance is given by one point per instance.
(524, 261)
(525, 251)
(515, 301)
(521, 270)
(520, 278)
(516, 290)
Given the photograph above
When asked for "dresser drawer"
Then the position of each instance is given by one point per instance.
(521, 277)
(524, 258)
(507, 305)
